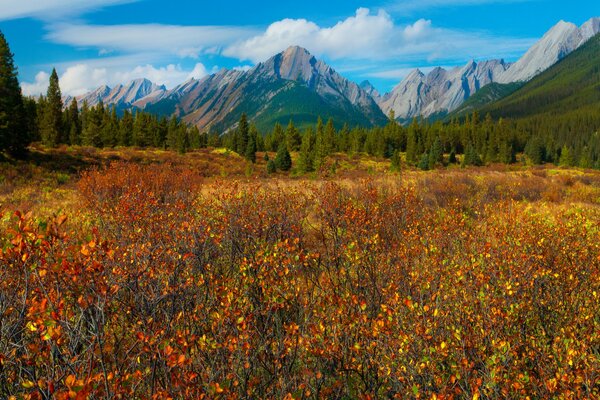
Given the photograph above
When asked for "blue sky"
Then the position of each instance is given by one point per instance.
(96, 42)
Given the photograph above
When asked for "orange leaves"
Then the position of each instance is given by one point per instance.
(352, 289)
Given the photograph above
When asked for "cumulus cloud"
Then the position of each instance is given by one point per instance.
(38, 86)
(360, 35)
(51, 9)
(368, 36)
(81, 78)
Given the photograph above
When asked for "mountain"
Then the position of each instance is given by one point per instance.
(370, 89)
(572, 85)
(291, 85)
(442, 91)
(556, 44)
(486, 95)
(137, 93)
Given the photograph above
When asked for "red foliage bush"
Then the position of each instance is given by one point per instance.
(256, 291)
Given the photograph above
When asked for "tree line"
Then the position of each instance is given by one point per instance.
(571, 139)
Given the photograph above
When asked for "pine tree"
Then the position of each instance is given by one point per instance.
(320, 146)
(396, 161)
(74, 123)
(436, 154)
(125, 129)
(250, 152)
(271, 167)
(424, 162)
(307, 152)
(293, 138)
(566, 157)
(329, 138)
(412, 142)
(283, 160)
(242, 135)
(535, 150)
(277, 137)
(14, 136)
(52, 129)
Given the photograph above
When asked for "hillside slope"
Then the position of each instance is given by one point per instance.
(572, 84)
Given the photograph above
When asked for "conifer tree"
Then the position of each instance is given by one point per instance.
(436, 154)
(424, 162)
(242, 135)
(307, 152)
(320, 147)
(51, 128)
(250, 152)
(535, 150)
(329, 138)
(14, 136)
(74, 123)
(271, 167)
(294, 140)
(125, 129)
(277, 137)
(396, 160)
(566, 157)
(283, 160)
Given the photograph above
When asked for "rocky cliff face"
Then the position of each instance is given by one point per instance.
(443, 91)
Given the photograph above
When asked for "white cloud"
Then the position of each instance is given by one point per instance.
(51, 9)
(181, 41)
(82, 78)
(360, 35)
(367, 36)
(39, 86)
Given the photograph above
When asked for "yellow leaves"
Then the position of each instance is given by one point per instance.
(443, 345)
(31, 326)
(70, 381)
(27, 384)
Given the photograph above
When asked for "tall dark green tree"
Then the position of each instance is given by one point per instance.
(306, 159)
(250, 153)
(73, 123)
(283, 160)
(14, 136)
(293, 137)
(52, 131)
(242, 135)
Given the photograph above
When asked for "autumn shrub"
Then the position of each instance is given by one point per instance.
(250, 289)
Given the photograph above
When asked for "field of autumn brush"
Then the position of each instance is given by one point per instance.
(131, 274)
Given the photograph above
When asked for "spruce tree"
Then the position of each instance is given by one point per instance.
(52, 128)
(283, 160)
(436, 155)
(277, 137)
(250, 152)
(14, 136)
(329, 138)
(271, 167)
(424, 162)
(396, 160)
(73, 123)
(307, 152)
(293, 138)
(242, 135)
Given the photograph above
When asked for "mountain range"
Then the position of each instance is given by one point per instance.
(295, 85)
(442, 91)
